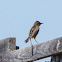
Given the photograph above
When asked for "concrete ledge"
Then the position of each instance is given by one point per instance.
(7, 44)
(32, 53)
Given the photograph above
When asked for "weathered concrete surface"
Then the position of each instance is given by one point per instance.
(7, 44)
(35, 52)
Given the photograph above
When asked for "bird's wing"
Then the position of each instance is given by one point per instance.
(33, 32)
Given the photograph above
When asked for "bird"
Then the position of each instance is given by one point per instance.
(33, 31)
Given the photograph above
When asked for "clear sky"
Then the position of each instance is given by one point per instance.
(18, 16)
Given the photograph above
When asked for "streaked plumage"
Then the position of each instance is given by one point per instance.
(33, 31)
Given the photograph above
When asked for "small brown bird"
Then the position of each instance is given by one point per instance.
(33, 31)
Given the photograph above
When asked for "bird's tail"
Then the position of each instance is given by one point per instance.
(27, 40)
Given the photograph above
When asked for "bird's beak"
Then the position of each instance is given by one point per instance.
(41, 23)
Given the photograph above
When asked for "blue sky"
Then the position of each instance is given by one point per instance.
(18, 16)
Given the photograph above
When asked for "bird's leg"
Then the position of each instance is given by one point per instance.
(30, 41)
(32, 47)
(36, 41)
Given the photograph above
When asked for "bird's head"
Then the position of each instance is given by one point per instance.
(37, 23)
